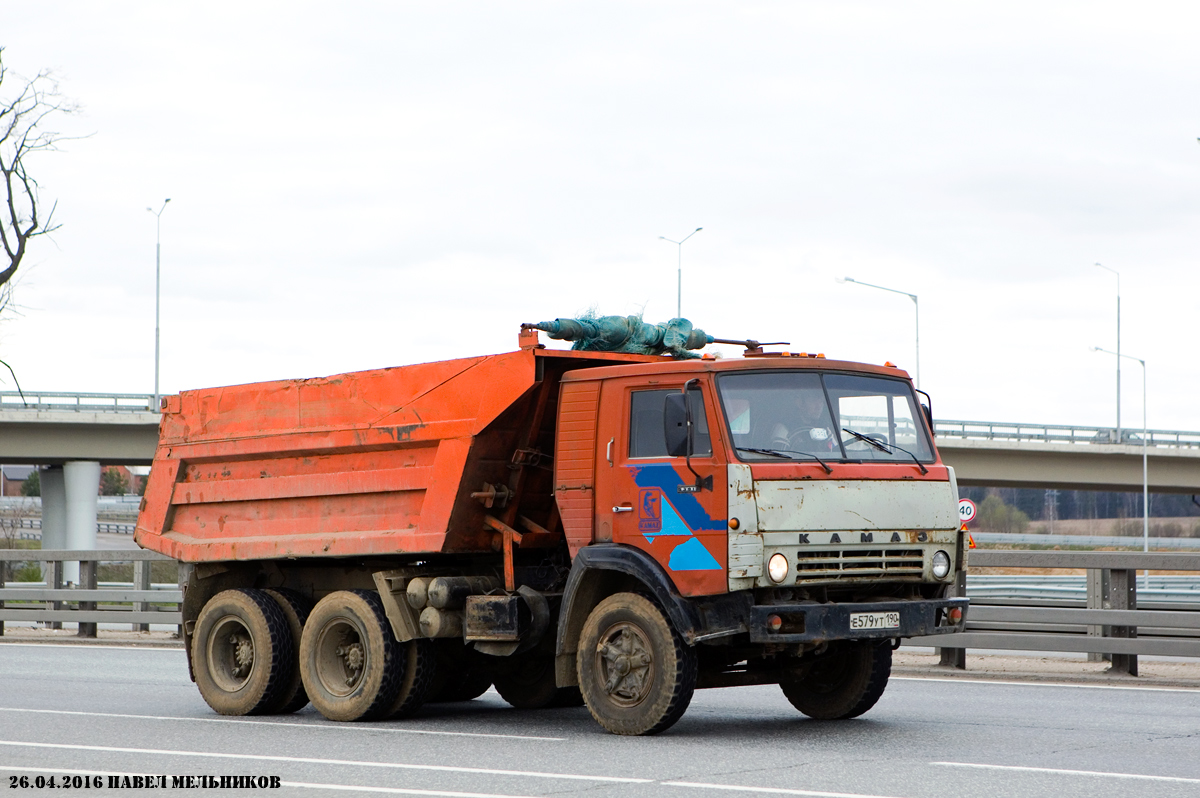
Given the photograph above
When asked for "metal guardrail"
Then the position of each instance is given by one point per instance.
(1089, 541)
(80, 402)
(54, 603)
(1062, 589)
(1062, 434)
(1109, 625)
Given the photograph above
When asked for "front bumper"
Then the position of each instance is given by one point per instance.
(815, 623)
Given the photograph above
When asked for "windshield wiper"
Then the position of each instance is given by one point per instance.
(786, 454)
(883, 447)
(869, 441)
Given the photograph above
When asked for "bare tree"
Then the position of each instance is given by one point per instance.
(25, 112)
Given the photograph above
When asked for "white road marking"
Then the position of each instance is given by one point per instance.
(1047, 684)
(361, 727)
(771, 790)
(535, 774)
(395, 790)
(1065, 772)
(301, 784)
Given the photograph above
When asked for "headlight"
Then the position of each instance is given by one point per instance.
(777, 567)
(941, 564)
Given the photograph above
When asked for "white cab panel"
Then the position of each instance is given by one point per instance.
(834, 505)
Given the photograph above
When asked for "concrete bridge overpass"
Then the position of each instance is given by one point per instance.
(122, 429)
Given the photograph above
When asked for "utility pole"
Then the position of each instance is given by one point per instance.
(679, 271)
(157, 292)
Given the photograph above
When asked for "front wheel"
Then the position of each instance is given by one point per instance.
(842, 684)
(635, 672)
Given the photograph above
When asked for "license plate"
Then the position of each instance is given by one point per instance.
(874, 620)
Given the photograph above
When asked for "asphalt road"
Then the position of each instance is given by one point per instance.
(76, 711)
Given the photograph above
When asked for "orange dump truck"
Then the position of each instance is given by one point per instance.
(572, 527)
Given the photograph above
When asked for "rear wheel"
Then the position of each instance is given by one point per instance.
(527, 683)
(842, 684)
(243, 655)
(295, 608)
(460, 684)
(349, 660)
(635, 672)
(418, 659)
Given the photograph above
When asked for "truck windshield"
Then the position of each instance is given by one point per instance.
(806, 414)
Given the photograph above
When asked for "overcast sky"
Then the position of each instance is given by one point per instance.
(357, 185)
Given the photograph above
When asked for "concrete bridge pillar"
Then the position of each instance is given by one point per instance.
(54, 508)
(82, 483)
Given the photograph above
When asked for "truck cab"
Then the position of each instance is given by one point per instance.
(792, 502)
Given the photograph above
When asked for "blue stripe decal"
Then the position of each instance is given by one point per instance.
(667, 479)
(691, 555)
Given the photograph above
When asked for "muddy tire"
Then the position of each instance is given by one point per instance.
(527, 683)
(295, 608)
(350, 662)
(243, 655)
(842, 684)
(635, 672)
(419, 663)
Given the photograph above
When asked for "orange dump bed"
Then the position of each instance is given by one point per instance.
(367, 463)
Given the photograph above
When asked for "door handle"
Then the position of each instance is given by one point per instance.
(622, 508)
(608, 451)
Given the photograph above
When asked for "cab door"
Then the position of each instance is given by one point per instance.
(648, 499)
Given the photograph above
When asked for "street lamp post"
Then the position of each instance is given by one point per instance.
(157, 289)
(916, 309)
(679, 272)
(1118, 352)
(1145, 471)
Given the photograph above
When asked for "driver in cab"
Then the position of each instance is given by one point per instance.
(808, 426)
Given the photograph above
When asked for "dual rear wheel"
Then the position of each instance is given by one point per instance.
(258, 652)
(244, 652)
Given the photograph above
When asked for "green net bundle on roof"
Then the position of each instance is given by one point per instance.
(627, 334)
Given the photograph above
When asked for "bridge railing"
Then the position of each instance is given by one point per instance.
(1107, 624)
(78, 402)
(16, 527)
(1063, 434)
(51, 602)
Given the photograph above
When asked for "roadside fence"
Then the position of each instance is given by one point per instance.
(87, 603)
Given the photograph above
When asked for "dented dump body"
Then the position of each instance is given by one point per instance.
(617, 529)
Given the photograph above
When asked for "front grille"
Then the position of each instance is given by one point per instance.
(845, 563)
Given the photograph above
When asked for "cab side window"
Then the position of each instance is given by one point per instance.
(646, 436)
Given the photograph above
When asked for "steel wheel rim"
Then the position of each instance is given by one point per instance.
(229, 653)
(340, 657)
(625, 664)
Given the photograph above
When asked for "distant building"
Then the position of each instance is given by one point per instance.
(11, 478)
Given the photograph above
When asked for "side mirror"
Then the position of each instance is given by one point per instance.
(927, 410)
(676, 428)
